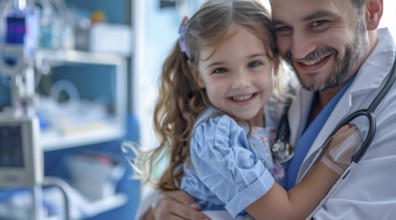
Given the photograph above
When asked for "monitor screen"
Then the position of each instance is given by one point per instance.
(11, 146)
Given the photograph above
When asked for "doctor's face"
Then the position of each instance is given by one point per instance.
(325, 41)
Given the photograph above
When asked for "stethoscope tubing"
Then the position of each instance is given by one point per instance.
(345, 121)
(357, 156)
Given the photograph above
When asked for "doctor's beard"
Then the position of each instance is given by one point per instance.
(346, 66)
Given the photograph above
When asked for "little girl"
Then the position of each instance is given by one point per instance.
(218, 86)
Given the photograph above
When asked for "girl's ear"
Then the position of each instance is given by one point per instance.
(196, 75)
(374, 13)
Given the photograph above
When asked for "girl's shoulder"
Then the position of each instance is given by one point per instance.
(213, 121)
(216, 131)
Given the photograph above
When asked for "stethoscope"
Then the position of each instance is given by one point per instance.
(283, 151)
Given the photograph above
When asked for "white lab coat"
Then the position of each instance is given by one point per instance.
(369, 191)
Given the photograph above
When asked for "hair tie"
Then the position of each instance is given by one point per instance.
(182, 38)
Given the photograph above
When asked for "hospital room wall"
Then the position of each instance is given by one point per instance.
(156, 33)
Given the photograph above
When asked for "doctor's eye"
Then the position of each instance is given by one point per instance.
(319, 24)
(283, 29)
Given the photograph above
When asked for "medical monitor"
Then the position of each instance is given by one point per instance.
(20, 152)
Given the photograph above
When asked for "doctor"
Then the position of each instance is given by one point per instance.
(342, 61)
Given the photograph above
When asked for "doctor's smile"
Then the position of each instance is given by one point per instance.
(313, 62)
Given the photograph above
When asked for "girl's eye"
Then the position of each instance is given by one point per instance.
(254, 64)
(220, 70)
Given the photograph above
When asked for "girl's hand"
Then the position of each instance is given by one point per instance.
(342, 147)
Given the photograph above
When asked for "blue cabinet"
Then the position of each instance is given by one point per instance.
(91, 118)
(97, 78)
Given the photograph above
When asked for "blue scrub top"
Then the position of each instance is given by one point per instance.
(305, 142)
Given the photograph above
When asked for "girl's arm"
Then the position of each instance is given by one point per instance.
(302, 199)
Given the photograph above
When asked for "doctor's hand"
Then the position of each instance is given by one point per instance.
(177, 205)
(341, 148)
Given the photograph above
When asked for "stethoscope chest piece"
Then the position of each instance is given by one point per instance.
(282, 151)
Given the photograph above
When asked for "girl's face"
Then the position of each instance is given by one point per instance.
(237, 74)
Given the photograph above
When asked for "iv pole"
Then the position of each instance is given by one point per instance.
(17, 61)
(21, 72)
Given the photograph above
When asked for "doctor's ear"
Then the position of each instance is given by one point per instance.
(196, 75)
(374, 11)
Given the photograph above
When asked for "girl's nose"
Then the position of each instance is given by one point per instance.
(241, 81)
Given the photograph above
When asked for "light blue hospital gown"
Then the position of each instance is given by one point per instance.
(228, 170)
